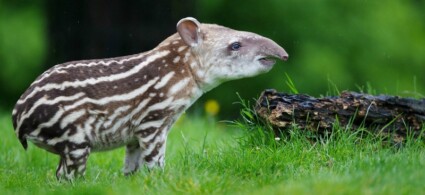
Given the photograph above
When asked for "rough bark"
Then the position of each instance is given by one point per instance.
(390, 116)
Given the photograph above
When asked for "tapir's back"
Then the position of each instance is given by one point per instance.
(80, 90)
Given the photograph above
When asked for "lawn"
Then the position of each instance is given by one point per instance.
(209, 157)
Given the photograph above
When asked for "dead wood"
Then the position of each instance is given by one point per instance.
(391, 116)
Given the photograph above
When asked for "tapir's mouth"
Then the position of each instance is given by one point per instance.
(267, 61)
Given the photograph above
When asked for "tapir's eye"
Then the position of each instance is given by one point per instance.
(235, 46)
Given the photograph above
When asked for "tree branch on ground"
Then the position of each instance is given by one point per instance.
(390, 116)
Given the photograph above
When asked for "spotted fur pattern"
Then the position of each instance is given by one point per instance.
(80, 107)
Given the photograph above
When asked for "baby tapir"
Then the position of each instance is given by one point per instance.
(79, 107)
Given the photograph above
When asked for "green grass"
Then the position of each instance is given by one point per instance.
(207, 157)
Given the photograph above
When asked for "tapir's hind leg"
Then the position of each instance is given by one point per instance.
(72, 162)
(60, 170)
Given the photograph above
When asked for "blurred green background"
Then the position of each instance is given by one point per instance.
(346, 44)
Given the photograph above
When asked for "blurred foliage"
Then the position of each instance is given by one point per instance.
(22, 47)
(342, 44)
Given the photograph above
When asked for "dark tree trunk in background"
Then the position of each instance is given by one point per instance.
(83, 29)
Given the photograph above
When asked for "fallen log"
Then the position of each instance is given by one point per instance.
(390, 116)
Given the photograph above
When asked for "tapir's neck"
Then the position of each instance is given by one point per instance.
(189, 58)
(177, 69)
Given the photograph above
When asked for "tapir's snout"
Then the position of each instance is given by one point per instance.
(271, 50)
(283, 55)
(275, 50)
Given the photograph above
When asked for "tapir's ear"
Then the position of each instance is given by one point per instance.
(190, 31)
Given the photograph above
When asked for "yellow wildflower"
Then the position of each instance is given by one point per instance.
(212, 107)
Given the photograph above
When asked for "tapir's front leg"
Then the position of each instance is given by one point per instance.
(148, 151)
(132, 158)
(154, 145)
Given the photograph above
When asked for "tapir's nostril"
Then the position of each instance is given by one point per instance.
(281, 54)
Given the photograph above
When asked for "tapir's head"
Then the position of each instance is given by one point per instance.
(225, 54)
